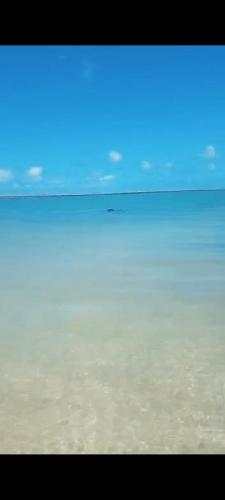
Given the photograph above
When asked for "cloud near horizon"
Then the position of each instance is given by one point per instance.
(115, 156)
(5, 175)
(146, 165)
(106, 178)
(35, 173)
(209, 152)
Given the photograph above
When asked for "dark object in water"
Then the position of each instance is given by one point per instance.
(114, 210)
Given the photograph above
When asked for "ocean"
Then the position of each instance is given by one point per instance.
(112, 324)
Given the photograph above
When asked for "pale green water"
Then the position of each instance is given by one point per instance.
(112, 333)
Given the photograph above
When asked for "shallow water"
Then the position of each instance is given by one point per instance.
(112, 335)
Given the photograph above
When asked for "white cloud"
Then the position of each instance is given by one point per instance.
(115, 156)
(35, 173)
(209, 153)
(5, 175)
(107, 178)
(146, 165)
(212, 166)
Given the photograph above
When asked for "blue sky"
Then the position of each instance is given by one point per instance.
(111, 118)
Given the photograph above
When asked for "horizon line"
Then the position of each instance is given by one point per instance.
(51, 195)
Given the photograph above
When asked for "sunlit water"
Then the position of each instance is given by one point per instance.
(112, 324)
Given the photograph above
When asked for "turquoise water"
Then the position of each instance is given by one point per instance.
(112, 334)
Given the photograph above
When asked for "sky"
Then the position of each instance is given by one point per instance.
(95, 119)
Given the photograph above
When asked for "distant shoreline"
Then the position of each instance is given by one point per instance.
(108, 194)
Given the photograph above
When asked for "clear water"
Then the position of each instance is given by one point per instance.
(112, 325)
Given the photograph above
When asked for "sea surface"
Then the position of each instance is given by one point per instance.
(112, 324)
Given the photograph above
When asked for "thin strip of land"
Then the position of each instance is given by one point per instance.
(50, 195)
